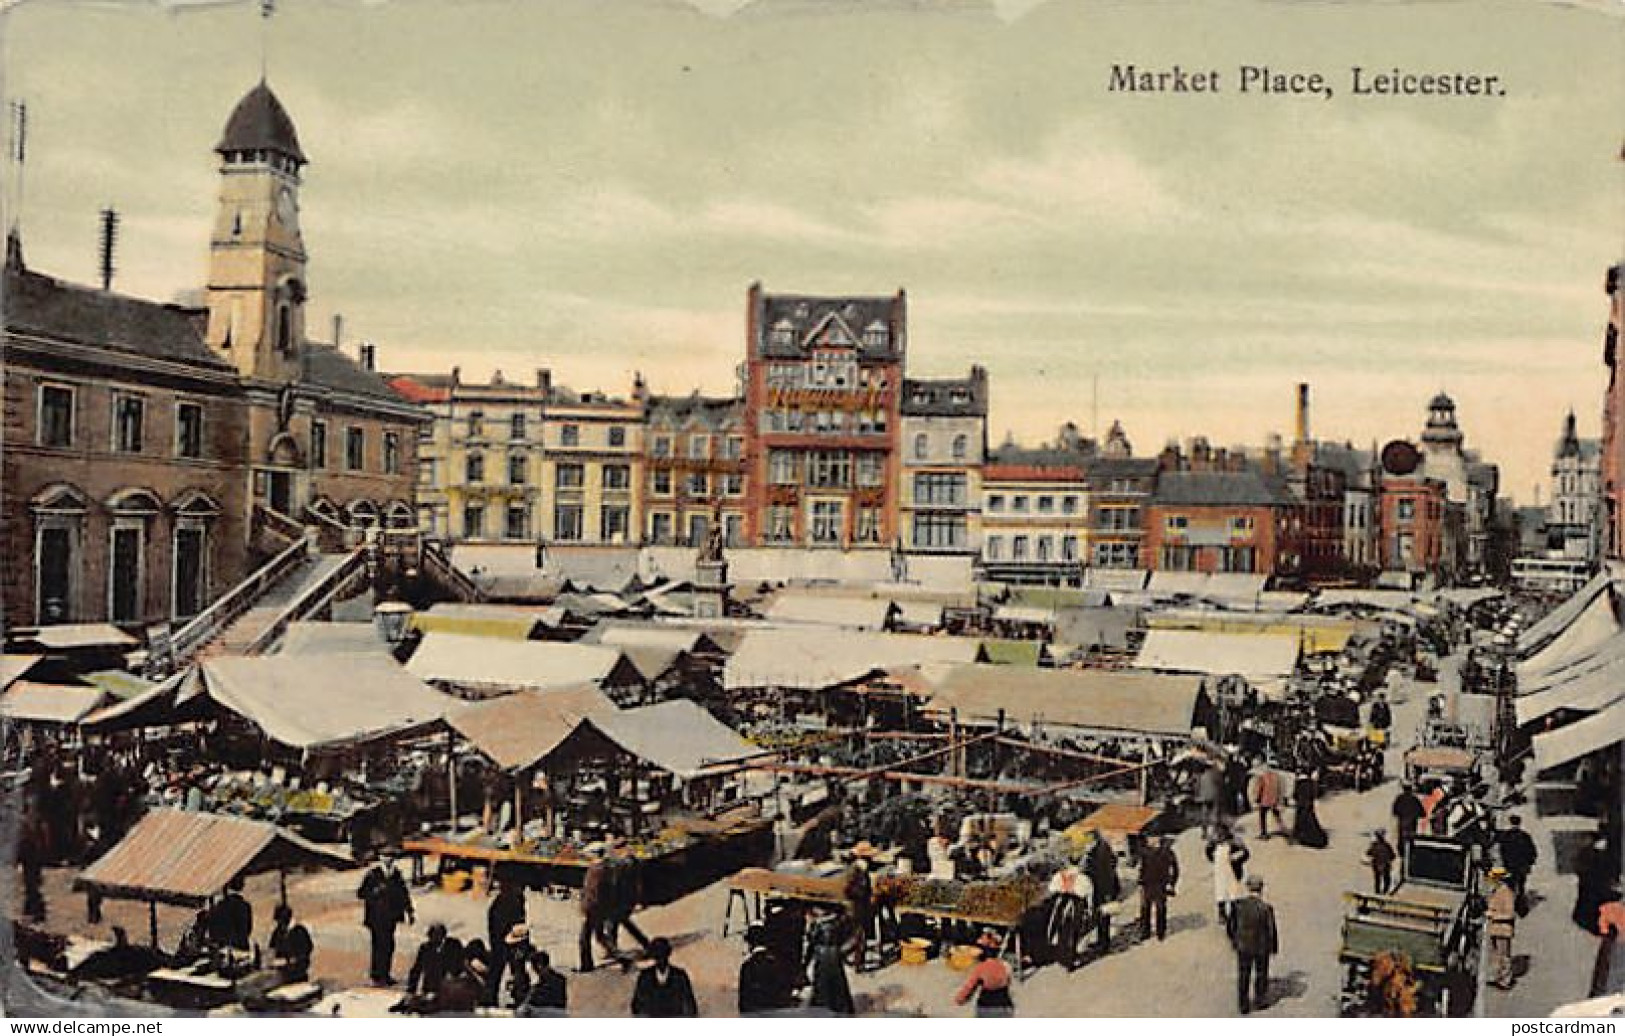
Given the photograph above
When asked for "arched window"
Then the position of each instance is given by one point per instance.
(284, 328)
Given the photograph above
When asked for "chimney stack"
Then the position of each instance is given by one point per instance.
(109, 245)
(1302, 427)
(544, 379)
(369, 356)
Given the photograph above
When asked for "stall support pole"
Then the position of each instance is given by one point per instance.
(518, 812)
(451, 778)
(152, 922)
(1145, 771)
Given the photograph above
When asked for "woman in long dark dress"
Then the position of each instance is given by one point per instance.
(1306, 829)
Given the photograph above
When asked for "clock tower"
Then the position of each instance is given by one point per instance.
(256, 289)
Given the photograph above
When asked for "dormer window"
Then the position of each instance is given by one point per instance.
(875, 335)
(783, 333)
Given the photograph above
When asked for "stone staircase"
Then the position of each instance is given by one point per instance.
(241, 635)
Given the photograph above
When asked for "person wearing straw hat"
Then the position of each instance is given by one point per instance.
(989, 981)
(1502, 918)
(1253, 934)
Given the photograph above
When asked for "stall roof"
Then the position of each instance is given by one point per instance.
(653, 661)
(15, 667)
(1588, 691)
(1316, 634)
(1150, 703)
(1608, 653)
(1597, 731)
(1560, 618)
(623, 636)
(1382, 600)
(855, 613)
(1219, 654)
(188, 858)
(1171, 584)
(1130, 579)
(29, 702)
(920, 614)
(1028, 614)
(812, 659)
(470, 661)
(1013, 652)
(310, 706)
(155, 706)
(512, 622)
(78, 636)
(516, 730)
(332, 638)
(1095, 627)
(1585, 635)
(1467, 596)
(1236, 586)
(677, 736)
(119, 683)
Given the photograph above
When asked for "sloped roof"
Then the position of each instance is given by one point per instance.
(29, 702)
(46, 306)
(1585, 691)
(329, 367)
(183, 858)
(306, 706)
(1558, 619)
(15, 667)
(1219, 489)
(1597, 731)
(1590, 631)
(331, 638)
(711, 412)
(803, 315)
(678, 736)
(479, 620)
(812, 659)
(675, 637)
(946, 397)
(855, 613)
(1219, 654)
(260, 123)
(469, 661)
(1093, 698)
(517, 730)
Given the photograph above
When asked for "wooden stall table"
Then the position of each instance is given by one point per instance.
(191, 987)
(1010, 943)
(759, 883)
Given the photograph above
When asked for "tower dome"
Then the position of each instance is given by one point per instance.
(260, 123)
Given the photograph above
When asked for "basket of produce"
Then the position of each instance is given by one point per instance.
(963, 958)
(915, 951)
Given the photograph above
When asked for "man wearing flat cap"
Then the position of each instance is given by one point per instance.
(1252, 933)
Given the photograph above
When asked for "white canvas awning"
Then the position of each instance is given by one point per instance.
(1256, 656)
(1565, 744)
(516, 730)
(1590, 630)
(1025, 615)
(1174, 584)
(926, 615)
(856, 613)
(677, 736)
(332, 638)
(1587, 691)
(493, 663)
(1559, 619)
(1094, 699)
(62, 704)
(15, 667)
(812, 659)
(308, 706)
(1244, 587)
(1125, 579)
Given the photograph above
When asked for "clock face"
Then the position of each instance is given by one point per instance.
(285, 207)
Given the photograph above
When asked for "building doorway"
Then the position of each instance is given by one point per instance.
(280, 492)
(56, 565)
(190, 590)
(124, 576)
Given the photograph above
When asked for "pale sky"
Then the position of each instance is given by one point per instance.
(591, 186)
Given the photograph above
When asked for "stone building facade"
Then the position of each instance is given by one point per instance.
(694, 470)
(144, 440)
(943, 443)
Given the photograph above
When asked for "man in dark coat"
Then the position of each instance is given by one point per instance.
(663, 989)
(1159, 875)
(626, 893)
(1382, 717)
(596, 896)
(1101, 866)
(506, 912)
(232, 919)
(765, 982)
(1407, 811)
(429, 966)
(386, 902)
(1380, 856)
(1518, 854)
(291, 945)
(1252, 933)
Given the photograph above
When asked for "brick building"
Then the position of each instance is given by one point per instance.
(1035, 516)
(823, 384)
(1412, 517)
(144, 439)
(1220, 520)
